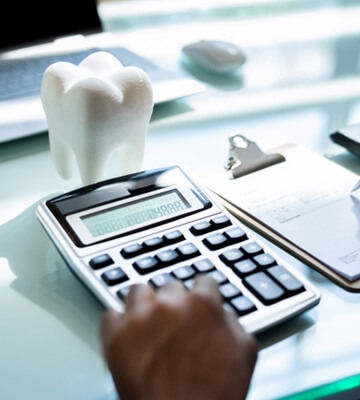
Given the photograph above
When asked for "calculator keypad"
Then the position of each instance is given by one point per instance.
(248, 276)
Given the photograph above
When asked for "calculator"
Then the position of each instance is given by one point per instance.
(160, 225)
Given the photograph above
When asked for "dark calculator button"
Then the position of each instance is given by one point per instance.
(264, 287)
(252, 249)
(236, 235)
(146, 265)
(188, 250)
(229, 257)
(153, 243)
(114, 276)
(218, 276)
(229, 290)
(123, 292)
(132, 250)
(189, 283)
(242, 305)
(174, 237)
(168, 257)
(220, 222)
(101, 261)
(200, 228)
(184, 273)
(160, 280)
(286, 279)
(265, 260)
(245, 267)
(216, 241)
(204, 265)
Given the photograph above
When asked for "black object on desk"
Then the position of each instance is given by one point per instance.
(349, 138)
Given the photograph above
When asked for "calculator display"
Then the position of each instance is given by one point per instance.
(135, 213)
(122, 206)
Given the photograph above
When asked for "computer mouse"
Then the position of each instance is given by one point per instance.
(215, 55)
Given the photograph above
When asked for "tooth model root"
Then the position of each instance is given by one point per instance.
(94, 110)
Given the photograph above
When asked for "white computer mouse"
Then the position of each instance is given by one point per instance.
(215, 55)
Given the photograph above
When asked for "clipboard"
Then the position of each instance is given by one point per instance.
(282, 216)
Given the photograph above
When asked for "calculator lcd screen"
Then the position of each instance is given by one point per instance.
(135, 213)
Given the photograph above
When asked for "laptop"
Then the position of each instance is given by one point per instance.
(41, 32)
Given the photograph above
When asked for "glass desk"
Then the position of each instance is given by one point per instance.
(300, 83)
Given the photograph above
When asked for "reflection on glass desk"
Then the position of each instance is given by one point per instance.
(300, 82)
(301, 65)
(345, 389)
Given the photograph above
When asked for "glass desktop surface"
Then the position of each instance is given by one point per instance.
(344, 389)
(300, 83)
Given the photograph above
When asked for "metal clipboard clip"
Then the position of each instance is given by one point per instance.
(246, 157)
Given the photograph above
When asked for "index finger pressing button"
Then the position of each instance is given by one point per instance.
(207, 286)
(139, 296)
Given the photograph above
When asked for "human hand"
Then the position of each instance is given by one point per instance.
(177, 344)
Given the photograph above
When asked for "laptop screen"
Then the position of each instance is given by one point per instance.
(25, 22)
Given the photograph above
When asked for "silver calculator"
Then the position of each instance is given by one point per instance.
(159, 225)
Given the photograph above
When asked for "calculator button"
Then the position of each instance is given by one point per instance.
(245, 267)
(153, 243)
(286, 279)
(236, 235)
(265, 260)
(252, 249)
(114, 276)
(229, 257)
(188, 250)
(184, 273)
(146, 265)
(220, 222)
(216, 241)
(242, 305)
(123, 292)
(218, 276)
(229, 290)
(189, 283)
(132, 250)
(173, 237)
(204, 265)
(101, 261)
(168, 257)
(159, 280)
(200, 228)
(264, 287)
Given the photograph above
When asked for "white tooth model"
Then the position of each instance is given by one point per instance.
(94, 109)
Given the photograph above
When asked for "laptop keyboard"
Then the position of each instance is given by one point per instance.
(22, 77)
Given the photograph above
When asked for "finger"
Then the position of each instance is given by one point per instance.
(172, 291)
(233, 323)
(139, 297)
(239, 332)
(173, 287)
(208, 287)
(109, 323)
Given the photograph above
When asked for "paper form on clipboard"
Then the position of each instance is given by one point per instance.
(305, 200)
